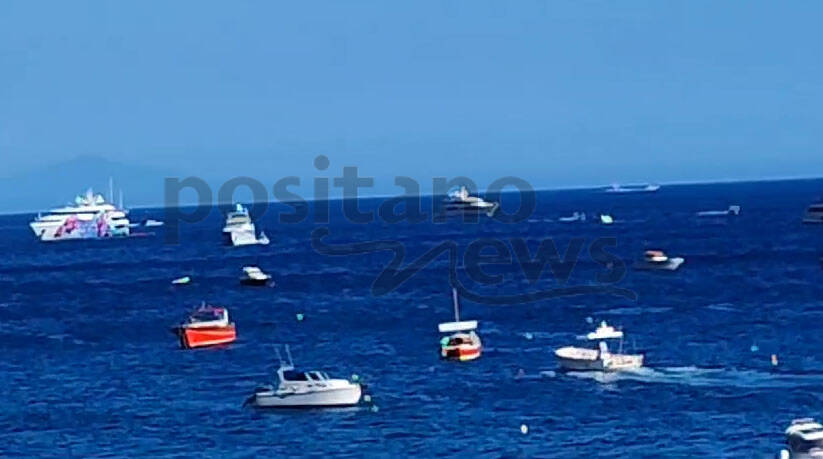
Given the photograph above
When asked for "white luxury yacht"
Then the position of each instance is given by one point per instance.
(90, 217)
(305, 389)
(459, 202)
(239, 230)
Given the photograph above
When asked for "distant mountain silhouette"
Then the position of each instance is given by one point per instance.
(55, 185)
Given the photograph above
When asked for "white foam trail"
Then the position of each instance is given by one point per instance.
(706, 377)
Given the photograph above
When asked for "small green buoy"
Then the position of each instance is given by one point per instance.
(299, 317)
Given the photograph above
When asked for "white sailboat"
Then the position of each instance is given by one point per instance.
(463, 343)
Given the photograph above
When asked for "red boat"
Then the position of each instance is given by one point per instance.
(207, 326)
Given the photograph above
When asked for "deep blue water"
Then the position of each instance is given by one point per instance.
(89, 367)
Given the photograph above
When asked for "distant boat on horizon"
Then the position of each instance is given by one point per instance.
(460, 202)
(641, 188)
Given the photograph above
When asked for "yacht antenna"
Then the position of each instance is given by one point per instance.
(121, 199)
(111, 189)
(456, 305)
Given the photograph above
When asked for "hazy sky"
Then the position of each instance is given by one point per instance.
(560, 93)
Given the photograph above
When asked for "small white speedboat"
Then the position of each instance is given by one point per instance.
(804, 439)
(185, 280)
(656, 259)
(252, 275)
(731, 211)
(606, 219)
(600, 359)
(575, 217)
(305, 389)
(152, 223)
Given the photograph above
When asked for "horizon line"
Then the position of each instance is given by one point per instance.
(384, 196)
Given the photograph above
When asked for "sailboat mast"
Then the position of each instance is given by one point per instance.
(456, 305)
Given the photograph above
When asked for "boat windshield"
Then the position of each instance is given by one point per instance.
(318, 376)
(293, 375)
(205, 315)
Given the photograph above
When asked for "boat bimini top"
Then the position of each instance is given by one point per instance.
(604, 331)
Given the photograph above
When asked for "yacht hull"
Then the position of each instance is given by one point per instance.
(579, 359)
(254, 282)
(672, 264)
(337, 397)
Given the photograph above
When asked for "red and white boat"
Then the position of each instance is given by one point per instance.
(463, 343)
(207, 326)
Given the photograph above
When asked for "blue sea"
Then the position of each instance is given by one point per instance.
(89, 367)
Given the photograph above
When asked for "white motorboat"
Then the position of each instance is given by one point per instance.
(731, 211)
(642, 188)
(600, 359)
(804, 439)
(90, 217)
(463, 344)
(252, 275)
(656, 259)
(575, 217)
(606, 219)
(459, 202)
(305, 389)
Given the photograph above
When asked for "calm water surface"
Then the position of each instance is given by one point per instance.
(89, 367)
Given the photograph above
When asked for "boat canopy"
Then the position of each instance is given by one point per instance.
(604, 331)
(450, 327)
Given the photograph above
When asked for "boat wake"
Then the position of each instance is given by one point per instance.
(707, 377)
